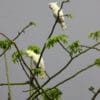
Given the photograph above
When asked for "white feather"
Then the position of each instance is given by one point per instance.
(55, 8)
(35, 58)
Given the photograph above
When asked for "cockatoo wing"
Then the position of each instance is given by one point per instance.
(35, 58)
(55, 8)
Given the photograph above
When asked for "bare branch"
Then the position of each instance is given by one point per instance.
(18, 83)
(65, 49)
(71, 77)
(96, 94)
(90, 47)
(74, 75)
(23, 30)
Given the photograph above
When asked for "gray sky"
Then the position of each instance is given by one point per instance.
(15, 14)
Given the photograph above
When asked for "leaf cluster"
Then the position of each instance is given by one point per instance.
(97, 62)
(94, 35)
(16, 55)
(52, 94)
(4, 44)
(34, 48)
(55, 39)
(38, 70)
(32, 23)
(69, 16)
(74, 48)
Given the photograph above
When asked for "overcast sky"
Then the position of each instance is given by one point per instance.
(15, 14)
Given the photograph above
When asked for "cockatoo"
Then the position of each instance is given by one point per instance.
(35, 58)
(55, 8)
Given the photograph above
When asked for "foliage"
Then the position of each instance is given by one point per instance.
(16, 55)
(52, 94)
(34, 48)
(38, 70)
(94, 35)
(97, 62)
(4, 44)
(32, 23)
(57, 38)
(75, 48)
(69, 16)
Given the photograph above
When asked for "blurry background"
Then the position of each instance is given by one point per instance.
(15, 14)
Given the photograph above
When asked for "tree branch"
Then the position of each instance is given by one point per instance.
(97, 44)
(74, 75)
(71, 77)
(16, 83)
(7, 76)
(19, 33)
(52, 30)
(57, 73)
(96, 94)
(90, 47)
(69, 63)
(18, 53)
(22, 31)
(65, 49)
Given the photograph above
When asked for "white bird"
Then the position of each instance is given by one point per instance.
(55, 8)
(35, 58)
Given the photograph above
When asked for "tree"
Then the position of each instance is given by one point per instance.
(37, 89)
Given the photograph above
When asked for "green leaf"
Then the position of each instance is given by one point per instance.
(55, 39)
(4, 44)
(69, 16)
(32, 23)
(97, 62)
(74, 48)
(94, 35)
(34, 48)
(16, 56)
(37, 70)
(53, 94)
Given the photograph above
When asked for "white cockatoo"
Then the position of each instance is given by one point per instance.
(35, 58)
(55, 8)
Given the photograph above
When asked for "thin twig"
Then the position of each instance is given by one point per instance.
(47, 74)
(7, 76)
(22, 31)
(18, 52)
(16, 83)
(76, 74)
(90, 47)
(96, 94)
(97, 44)
(65, 49)
(19, 33)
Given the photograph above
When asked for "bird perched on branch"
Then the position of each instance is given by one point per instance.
(35, 58)
(55, 9)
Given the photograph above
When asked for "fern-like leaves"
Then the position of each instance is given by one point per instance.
(55, 39)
